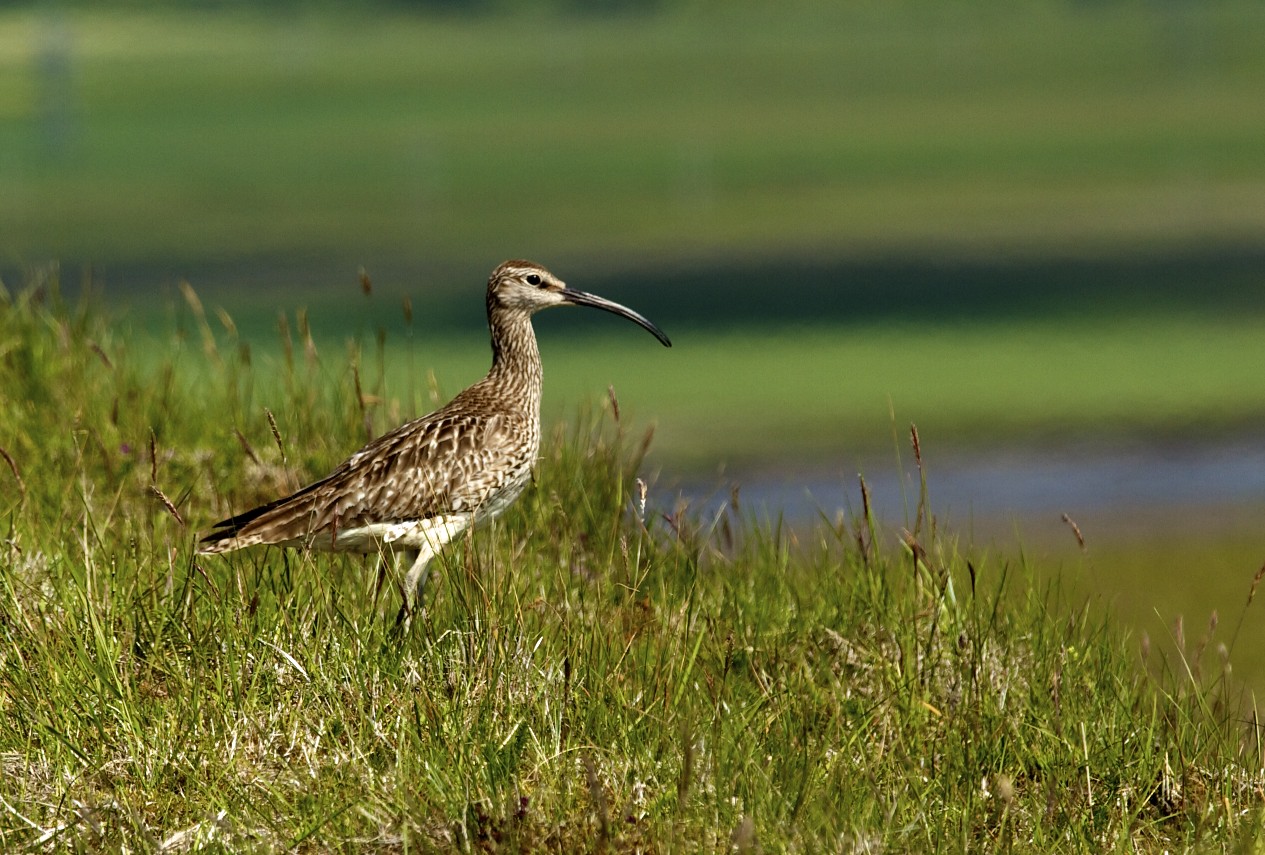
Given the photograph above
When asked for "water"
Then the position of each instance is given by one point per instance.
(1093, 481)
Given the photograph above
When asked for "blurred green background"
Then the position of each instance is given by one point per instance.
(1034, 225)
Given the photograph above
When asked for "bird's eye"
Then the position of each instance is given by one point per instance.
(533, 279)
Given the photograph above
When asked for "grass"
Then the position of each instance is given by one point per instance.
(194, 137)
(589, 675)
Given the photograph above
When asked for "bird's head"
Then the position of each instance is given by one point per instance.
(526, 286)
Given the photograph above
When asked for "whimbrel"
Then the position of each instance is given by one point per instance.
(411, 491)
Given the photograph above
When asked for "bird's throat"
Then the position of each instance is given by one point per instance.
(515, 354)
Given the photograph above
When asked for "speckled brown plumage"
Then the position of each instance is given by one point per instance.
(412, 490)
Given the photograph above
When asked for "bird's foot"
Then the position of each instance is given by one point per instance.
(408, 611)
(404, 619)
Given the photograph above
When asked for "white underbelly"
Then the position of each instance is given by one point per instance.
(426, 535)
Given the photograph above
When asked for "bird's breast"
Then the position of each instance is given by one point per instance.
(515, 479)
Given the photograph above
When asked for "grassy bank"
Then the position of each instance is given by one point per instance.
(589, 675)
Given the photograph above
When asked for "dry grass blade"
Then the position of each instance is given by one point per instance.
(610, 395)
(1251, 595)
(247, 448)
(1076, 530)
(646, 440)
(191, 299)
(1256, 581)
(309, 343)
(362, 401)
(916, 548)
(865, 533)
(199, 316)
(13, 467)
(226, 321)
(105, 360)
(921, 514)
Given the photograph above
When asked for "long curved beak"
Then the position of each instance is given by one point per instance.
(583, 298)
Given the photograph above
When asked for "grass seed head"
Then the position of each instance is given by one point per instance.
(1076, 531)
(1256, 580)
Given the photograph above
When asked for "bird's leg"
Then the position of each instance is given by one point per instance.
(414, 584)
(426, 538)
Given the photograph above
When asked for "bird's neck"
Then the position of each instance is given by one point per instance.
(515, 355)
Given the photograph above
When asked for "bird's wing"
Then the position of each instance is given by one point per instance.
(442, 463)
(450, 463)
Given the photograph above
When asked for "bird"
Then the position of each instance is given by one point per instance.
(412, 490)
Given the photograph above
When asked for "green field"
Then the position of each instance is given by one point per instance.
(699, 162)
(587, 676)
(447, 143)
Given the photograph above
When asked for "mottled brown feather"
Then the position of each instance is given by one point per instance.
(455, 459)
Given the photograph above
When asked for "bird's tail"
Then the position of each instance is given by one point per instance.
(289, 520)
